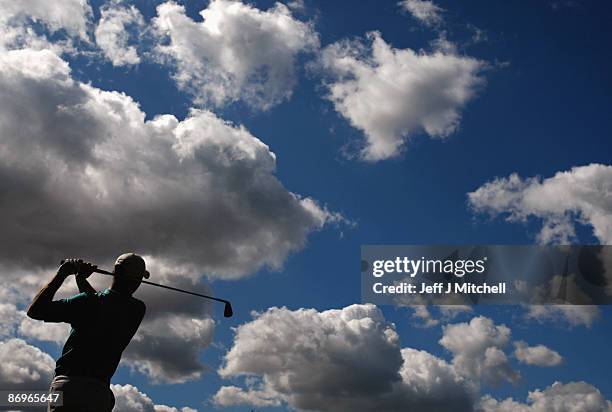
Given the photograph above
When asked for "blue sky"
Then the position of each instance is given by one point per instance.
(542, 107)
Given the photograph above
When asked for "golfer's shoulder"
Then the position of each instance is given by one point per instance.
(139, 305)
(82, 298)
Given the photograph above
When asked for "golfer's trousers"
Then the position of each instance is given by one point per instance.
(82, 394)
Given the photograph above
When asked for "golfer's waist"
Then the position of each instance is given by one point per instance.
(89, 380)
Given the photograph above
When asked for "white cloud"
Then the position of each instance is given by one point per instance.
(51, 332)
(425, 11)
(340, 360)
(452, 311)
(233, 395)
(538, 355)
(581, 194)
(9, 317)
(23, 366)
(426, 319)
(559, 397)
(296, 5)
(572, 315)
(392, 94)
(112, 32)
(478, 35)
(477, 349)
(129, 399)
(236, 53)
(70, 16)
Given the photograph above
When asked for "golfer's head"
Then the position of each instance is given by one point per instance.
(129, 270)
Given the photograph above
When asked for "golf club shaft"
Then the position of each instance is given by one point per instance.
(105, 272)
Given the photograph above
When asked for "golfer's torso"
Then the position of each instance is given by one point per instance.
(99, 336)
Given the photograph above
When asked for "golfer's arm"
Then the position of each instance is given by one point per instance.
(44, 297)
(84, 285)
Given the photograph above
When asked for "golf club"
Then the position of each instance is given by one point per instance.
(227, 311)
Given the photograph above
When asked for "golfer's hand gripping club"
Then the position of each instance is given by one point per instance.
(227, 312)
(76, 267)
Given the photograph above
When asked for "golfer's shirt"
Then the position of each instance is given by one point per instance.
(102, 326)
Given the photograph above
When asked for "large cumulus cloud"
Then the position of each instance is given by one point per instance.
(83, 173)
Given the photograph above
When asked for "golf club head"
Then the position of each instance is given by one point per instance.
(228, 312)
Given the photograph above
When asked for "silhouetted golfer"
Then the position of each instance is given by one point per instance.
(103, 324)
